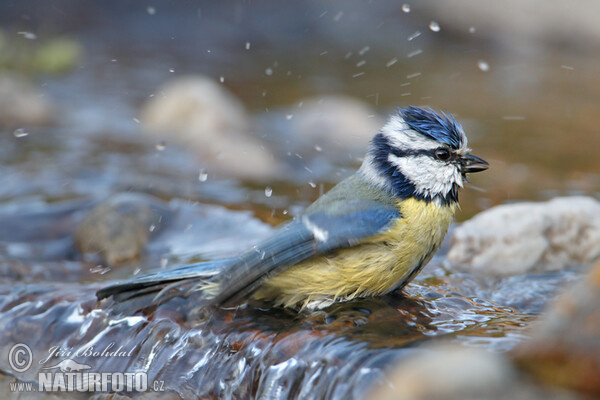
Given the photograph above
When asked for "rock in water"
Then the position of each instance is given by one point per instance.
(564, 348)
(529, 237)
(200, 114)
(119, 228)
(339, 123)
(452, 372)
(21, 103)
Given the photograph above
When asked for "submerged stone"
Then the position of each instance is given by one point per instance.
(564, 348)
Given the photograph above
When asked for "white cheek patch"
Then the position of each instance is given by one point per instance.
(430, 177)
(401, 136)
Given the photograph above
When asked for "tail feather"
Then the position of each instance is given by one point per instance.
(160, 286)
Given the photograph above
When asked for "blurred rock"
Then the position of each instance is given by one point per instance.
(21, 103)
(339, 123)
(524, 25)
(454, 372)
(201, 114)
(529, 237)
(118, 229)
(564, 348)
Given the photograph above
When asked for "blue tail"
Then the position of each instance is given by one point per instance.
(155, 282)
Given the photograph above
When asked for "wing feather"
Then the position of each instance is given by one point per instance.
(309, 235)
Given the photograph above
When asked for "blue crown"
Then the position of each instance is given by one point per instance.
(441, 127)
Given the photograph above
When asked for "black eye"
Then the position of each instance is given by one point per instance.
(442, 154)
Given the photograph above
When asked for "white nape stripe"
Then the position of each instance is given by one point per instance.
(431, 177)
(402, 137)
(370, 173)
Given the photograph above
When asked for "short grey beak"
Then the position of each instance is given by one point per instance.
(471, 163)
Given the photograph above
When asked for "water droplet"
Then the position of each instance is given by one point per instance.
(202, 175)
(338, 16)
(472, 29)
(137, 121)
(434, 26)
(318, 148)
(152, 228)
(99, 269)
(413, 75)
(171, 69)
(483, 65)
(247, 45)
(406, 7)
(289, 116)
(19, 133)
(269, 71)
(312, 184)
(222, 79)
(285, 212)
(391, 62)
(28, 35)
(151, 10)
(414, 53)
(357, 75)
(268, 191)
(160, 146)
(414, 35)
(364, 50)
(361, 63)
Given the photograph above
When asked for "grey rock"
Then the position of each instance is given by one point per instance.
(528, 237)
(564, 347)
(197, 113)
(119, 228)
(341, 123)
(21, 103)
(446, 371)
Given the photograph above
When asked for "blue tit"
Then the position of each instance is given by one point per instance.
(369, 235)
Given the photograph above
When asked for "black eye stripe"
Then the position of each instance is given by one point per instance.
(383, 146)
(408, 153)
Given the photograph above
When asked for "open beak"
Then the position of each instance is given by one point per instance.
(471, 163)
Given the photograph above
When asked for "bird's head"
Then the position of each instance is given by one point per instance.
(421, 154)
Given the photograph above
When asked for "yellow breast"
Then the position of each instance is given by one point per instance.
(374, 267)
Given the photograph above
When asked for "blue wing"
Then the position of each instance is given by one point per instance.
(311, 234)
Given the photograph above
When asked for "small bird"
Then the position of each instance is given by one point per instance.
(369, 235)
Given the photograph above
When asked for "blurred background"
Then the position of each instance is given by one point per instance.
(264, 105)
(144, 134)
